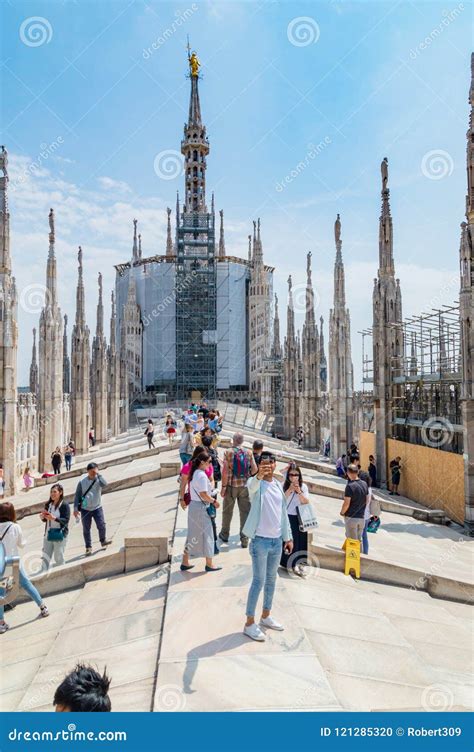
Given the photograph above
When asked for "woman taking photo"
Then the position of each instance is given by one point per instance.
(296, 493)
(56, 460)
(11, 535)
(203, 505)
(56, 516)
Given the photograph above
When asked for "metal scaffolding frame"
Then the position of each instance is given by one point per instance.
(196, 306)
(425, 383)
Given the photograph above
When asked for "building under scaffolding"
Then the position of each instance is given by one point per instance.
(425, 383)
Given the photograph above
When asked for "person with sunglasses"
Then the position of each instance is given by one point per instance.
(200, 539)
(296, 493)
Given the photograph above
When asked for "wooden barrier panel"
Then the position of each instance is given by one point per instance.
(430, 476)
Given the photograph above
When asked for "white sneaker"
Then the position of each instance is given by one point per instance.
(254, 632)
(270, 623)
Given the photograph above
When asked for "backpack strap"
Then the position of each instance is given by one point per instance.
(6, 531)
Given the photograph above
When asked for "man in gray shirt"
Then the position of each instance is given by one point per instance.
(88, 504)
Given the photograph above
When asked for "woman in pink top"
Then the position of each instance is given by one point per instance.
(184, 474)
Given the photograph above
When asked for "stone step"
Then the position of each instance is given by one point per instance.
(388, 573)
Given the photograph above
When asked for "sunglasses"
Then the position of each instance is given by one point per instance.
(294, 475)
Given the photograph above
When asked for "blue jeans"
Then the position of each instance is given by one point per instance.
(365, 539)
(265, 553)
(86, 518)
(27, 586)
(68, 461)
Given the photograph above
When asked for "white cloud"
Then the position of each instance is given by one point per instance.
(114, 186)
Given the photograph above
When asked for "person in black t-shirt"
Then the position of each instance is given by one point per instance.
(356, 497)
(395, 472)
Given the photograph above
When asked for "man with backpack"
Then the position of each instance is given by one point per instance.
(239, 466)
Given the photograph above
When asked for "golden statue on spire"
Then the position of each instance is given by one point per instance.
(194, 63)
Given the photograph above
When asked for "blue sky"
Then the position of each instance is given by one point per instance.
(101, 89)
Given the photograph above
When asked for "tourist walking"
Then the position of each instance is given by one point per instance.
(28, 479)
(67, 457)
(56, 516)
(296, 493)
(372, 469)
(184, 474)
(269, 529)
(170, 429)
(88, 504)
(91, 437)
(149, 433)
(83, 690)
(203, 504)
(340, 466)
(239, 465)
(11, 535)
(186, 446)
(365, 538)
(395, 473)
(56, 460)
(356, 497)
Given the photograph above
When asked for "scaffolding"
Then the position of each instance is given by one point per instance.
(425, 383)
(196, 306)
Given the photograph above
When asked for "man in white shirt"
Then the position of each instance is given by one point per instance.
(269, 529)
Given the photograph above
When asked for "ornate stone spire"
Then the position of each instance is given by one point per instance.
(470, 152)
(66, 361)
(135, 243)
(194, 146)
(276, 348)
(290, 328)
(309, 317)
(113, 323)
(100, 310)
(51, 278)
(221, 236)
(5, 260)
(339, 279)
(139, 246)
(169, 239)
(177, 209)
(113, 395)
(80, 301)
(386, 265)
(250, 249)
(34, 367)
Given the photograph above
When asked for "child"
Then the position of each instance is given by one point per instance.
(27, 479)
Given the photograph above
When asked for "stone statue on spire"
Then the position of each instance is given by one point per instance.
(384, 171)
(308, 264)
(337, 229)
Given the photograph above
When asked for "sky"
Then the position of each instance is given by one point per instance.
(301, 100)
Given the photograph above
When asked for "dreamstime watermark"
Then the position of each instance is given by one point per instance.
(303, 31)
(312, 153)
(304, 560)
(437, 164)
(449, 17)
(36, 31)
(47, 150)
(436, 432)
(302, 302)
(437, 698)
(168, 300)
(170, 698)
(451, 284)
(181, 18)
(33, 298)
(437, 567)
(169, 164)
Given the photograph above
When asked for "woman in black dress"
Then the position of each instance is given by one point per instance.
(296, 493)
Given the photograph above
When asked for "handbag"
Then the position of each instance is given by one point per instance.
(55, 534)
(306, 517)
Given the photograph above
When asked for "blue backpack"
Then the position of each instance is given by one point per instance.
(241, 464)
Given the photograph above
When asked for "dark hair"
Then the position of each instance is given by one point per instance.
(266, 455)
(196, 461)
(7, 512)
(61, 493)
(92, 466)
(293, 468)
(197, 451)
(371, 457)
(257, 444)
(364, 475)
(84, 690)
